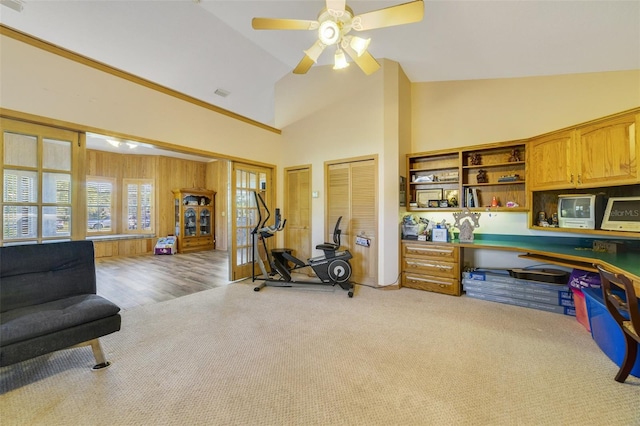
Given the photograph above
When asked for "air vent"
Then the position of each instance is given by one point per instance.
(222, 92)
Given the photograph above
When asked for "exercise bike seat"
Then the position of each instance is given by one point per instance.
(330, 249)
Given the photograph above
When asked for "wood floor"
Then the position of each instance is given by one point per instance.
(139, 280)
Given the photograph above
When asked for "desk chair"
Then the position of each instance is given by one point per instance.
(626, 315)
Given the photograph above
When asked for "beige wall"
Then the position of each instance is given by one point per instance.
(342, 115)
(41, 83)
(458, 113)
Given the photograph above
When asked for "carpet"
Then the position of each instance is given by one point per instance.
(289, 356)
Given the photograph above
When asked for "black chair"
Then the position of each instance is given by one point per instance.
(330, 249)
(625, 313)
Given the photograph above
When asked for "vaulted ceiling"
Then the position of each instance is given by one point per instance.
(197, 47)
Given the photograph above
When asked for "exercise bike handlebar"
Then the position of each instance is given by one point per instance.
(261, 227)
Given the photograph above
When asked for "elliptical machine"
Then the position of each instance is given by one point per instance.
(331, 268)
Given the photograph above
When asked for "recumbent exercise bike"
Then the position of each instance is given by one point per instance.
(331, 268)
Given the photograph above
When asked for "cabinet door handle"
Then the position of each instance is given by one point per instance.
(571, 180)
(579, 179)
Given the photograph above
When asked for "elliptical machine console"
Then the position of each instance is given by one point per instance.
(331, 268)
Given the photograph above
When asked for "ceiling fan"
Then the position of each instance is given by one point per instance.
(335, 22)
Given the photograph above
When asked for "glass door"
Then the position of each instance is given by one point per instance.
(190, 222)
(205, 221)
(246, 179)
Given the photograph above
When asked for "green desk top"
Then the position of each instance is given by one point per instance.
(567, 248)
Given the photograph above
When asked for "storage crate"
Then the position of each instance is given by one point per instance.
(605, 331)
(521, 302)
(581, 308)
(166, 245)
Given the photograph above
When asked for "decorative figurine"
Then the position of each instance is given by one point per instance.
(482, 176)
(466, 222)
(515, 156)
(474, 159)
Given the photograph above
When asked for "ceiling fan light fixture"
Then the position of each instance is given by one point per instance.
(340, 60)
(329, 32)
(360, 45)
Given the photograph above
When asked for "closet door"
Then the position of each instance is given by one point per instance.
(351, 193)
(297, 211)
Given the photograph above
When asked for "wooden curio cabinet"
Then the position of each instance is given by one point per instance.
(194, 216)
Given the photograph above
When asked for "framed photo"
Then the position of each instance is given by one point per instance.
(433, 203)
(423, 196)
(452, 197)
(439, 234)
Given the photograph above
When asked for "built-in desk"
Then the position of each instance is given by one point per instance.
(565, 251)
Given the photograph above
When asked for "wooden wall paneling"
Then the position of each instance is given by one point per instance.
(174, 173)
(105, 248)
(217, 179)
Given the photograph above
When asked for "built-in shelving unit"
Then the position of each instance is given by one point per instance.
(469, 177)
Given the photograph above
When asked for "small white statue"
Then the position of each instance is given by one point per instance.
(466, 222)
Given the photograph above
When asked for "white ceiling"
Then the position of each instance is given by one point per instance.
(197, 47)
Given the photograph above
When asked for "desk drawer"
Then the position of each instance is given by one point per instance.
(418, 265)
(431, 283)
(431, 251)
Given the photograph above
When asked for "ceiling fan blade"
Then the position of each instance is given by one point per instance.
(337, 5)
(283, 24)
(304, 65)
(366, 61)
(395, 15)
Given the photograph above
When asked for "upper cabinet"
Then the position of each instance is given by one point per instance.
(607, 152)
(551, 161)
(599, 154)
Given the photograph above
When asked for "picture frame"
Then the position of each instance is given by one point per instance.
(452, 196)
(440, 235)
(433, 203)
(423, 196)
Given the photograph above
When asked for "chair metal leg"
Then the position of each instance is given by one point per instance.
(629, 358)
(101, 362)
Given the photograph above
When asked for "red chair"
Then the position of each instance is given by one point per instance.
(625, 313)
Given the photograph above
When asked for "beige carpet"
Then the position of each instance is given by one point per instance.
(231, 356)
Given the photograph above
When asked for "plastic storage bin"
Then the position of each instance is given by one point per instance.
(581, 308)
(605, 331)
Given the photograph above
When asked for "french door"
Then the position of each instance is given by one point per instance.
(246, 180)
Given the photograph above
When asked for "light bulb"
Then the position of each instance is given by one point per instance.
(360, 44)
(329, 33)
(340, 60)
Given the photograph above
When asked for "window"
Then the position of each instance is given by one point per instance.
(138, 202)
(100, 197)
(36, 186)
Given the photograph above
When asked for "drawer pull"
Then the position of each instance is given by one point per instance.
(444, 252)
(424, 280)
(428, 265)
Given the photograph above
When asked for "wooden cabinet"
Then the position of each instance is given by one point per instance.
(432, 267)
(451, 176)
(597, 154)
(194, 219)
(607, 152)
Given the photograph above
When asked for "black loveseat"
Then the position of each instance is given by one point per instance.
(48, 301)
